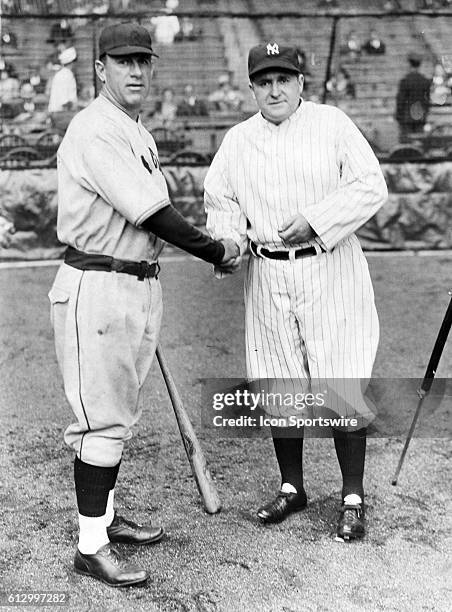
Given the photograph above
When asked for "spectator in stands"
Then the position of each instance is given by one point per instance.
(166, 108)
(86, 95)
(10, 102)
(187, 30)
(63, 90)
(9, 84)
(191, 105)
(441, 85)
(36, 80)
(166, 27)
(340, 86)
(9, 40)
(61, 35)
(352, 47)
(27, 94)
(304, 69)
(413, 99)
(374, 46)
(226, 98)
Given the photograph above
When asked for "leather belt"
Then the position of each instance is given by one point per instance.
(105, 263)
(259, 251)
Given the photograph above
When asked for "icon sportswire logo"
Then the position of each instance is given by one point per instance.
(272, 49)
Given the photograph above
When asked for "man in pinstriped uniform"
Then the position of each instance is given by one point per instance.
(294, 182)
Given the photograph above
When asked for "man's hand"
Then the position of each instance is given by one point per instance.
(231, 260)
(295, 230)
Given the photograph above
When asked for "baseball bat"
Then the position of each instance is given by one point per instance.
(427, 381)
(195, 454)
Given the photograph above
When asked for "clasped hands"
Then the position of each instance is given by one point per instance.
(231, 259)
(292, 231)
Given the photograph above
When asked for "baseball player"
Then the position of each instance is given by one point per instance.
(106, 301)
(294, 182)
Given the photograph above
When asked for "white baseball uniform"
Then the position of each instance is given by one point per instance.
(106, 323)
(313, 317)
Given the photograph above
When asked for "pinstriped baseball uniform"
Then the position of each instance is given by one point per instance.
(106, 324)
(312, 317)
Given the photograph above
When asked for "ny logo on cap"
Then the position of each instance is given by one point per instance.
(272, 49)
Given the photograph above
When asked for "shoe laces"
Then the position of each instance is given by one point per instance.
(351, 512)
(113, 556)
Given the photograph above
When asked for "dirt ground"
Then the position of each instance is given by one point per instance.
(226, 562)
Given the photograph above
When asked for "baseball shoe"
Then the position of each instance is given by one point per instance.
(351, 523)
(127, 532)
(108, 566)
(283, 505)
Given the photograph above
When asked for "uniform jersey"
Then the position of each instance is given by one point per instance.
(313, 317)
(316, 163)
(109, 182)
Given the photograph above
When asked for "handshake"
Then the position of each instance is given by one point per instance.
(231, 260)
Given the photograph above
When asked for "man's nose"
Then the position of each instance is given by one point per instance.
(135, 69)
(275, 89)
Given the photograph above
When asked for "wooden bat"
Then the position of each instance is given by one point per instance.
(195, 455)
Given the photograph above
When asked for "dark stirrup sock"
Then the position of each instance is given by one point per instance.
(351, 454)
(92, 486)
(289, 453)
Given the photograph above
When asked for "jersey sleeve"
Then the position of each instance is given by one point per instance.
(361, 192)
(113, 171)
(225, 218)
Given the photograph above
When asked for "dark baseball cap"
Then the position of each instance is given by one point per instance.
(270, 56)
(125, 39)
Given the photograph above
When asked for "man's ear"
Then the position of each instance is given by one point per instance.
(250, 85)
(301, 82)
(100, 70)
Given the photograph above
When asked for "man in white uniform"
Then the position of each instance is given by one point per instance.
(294, 182)
(63, 90)
(106, 302)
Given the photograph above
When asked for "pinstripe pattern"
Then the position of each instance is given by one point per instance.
(311, 318)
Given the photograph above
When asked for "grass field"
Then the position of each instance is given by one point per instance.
(227, 562)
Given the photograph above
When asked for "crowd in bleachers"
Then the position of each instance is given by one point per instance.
(49, 92)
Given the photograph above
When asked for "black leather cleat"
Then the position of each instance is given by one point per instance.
(127, 532)
(283, 505)
(351, 523)
(108, 566)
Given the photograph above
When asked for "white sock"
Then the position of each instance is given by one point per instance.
(93, 534)
(353, 499)
(288, 488)
(110, 511)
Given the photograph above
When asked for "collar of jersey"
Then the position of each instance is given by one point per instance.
(293, 118)
(108, 104)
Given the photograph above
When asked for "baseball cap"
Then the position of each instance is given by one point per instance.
(125, 39)
(272, 55)
(67, 56)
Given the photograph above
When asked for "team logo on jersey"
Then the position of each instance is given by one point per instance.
(146, 165)
(273, 49)
(155, 159)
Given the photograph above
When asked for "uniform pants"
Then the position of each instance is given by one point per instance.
(106, 327)
(313, 320)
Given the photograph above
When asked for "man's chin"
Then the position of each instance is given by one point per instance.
(275, 117)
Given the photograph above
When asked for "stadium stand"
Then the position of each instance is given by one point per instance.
(222, 43)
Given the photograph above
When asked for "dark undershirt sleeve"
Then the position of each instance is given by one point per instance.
(169, 225)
